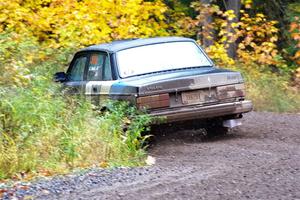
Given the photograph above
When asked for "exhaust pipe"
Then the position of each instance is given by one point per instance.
(231, 123)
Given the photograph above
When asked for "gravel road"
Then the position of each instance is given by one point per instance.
(259, 160)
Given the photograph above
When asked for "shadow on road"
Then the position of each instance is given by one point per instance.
(163, 135)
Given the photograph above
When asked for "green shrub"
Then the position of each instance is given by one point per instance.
(42, 130)
(270, 91)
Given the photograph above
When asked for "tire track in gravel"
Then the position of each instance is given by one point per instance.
(255, 162)
(161, 185)
(259, 160)
(168, 186)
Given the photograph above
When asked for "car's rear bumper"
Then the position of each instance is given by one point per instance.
(201, 112)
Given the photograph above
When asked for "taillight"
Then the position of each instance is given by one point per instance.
(154, 101)
(231, 91)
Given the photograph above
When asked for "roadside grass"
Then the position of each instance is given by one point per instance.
(270, 91)
(269, 94)
(43, 132)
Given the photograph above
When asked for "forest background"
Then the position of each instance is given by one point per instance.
(42, 132)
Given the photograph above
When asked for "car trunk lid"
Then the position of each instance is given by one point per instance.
(193, 82)
(174, 90)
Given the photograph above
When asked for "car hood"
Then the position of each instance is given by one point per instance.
(179, 80)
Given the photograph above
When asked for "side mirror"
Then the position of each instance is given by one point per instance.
(60, 77)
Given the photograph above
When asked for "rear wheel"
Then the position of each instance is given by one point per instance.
(215, 128)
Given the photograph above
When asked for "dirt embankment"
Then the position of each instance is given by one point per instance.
(259, 160)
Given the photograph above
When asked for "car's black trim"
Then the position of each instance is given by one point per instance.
(77, 55)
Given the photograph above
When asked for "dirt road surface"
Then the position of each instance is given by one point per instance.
(259, 160)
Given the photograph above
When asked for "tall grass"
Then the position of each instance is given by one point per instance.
(42, 130)
(270, 91)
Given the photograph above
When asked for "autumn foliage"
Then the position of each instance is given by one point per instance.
(54, 24)
(41, 131)
(255, 36)
(61, 23)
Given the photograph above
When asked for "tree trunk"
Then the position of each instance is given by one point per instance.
(206, 27)
(234, 5)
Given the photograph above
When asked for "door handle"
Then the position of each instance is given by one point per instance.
(95, 89)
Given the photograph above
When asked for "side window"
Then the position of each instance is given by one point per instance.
(99, 67)
(107, 76)
(77, 70)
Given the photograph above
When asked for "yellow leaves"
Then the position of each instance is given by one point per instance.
(252, 44)
(297, 55)
(260, 34)
(103, 164)
(241, 46)
(14, 75)
(248, 6)
(258, 41)
(17, 53)
(273, 29)
(150, 160)
(234, 25)
(223, 39)
(256, 35)
(247, 3)
(248, 28)
(294, 26)
(260, 16)
(295, 35)
(219, 54)
(126, 121)
(229, 14)
(61, 23)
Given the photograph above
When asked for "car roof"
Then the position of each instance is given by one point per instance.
(130, 43)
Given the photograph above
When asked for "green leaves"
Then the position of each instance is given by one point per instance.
(130, 123)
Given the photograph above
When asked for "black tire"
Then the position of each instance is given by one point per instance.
(215, 128)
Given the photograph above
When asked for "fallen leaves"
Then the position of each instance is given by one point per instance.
(150, 160)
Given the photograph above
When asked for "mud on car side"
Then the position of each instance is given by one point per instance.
(171, 77)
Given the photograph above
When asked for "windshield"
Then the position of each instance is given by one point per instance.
(160, 57)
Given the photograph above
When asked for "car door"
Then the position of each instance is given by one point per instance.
(76, 75)
(99, 77)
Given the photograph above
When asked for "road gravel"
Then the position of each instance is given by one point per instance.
(259, 160)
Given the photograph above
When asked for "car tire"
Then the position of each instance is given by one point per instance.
(215, 128)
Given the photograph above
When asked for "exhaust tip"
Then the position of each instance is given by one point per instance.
(231, 123)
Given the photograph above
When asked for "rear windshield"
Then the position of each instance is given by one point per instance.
(160, 57)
